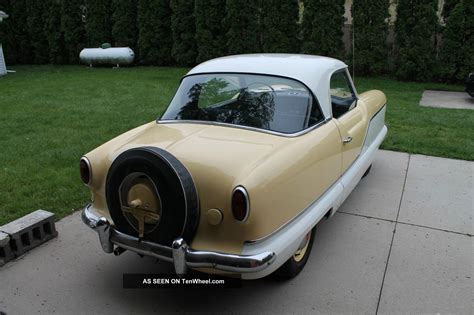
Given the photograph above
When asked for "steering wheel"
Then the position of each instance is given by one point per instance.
(265, 97)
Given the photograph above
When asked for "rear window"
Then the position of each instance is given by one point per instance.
(259, 101)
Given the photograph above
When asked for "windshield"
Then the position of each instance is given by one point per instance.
(259, 101)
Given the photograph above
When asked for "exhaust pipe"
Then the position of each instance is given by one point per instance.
(119, 251)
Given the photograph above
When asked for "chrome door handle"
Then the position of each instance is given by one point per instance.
(347, 140)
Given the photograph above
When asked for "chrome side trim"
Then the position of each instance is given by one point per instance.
(180, 254)
(215, 123)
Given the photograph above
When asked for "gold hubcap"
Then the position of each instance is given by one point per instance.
(140, 202)
(298, 256)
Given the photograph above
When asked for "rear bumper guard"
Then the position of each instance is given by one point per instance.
(180, 254)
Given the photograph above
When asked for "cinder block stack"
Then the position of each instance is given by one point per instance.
(25, 233)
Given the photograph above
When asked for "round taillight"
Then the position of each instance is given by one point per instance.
(240, 204)
(85, 170)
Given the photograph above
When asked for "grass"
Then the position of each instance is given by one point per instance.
(51, 115)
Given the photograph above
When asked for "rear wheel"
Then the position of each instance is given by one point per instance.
(293, 266)
(367, 171)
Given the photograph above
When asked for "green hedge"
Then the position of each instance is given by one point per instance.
(370, 35)
(457, 50)
(124, 23)
(154, 40)
(322, 28)
(183, 27)
(98, 22)
(210, 29)
(415, 34)
(242, 19)
(279, 28)
(186, 32)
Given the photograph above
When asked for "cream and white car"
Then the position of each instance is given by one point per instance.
(251, 153)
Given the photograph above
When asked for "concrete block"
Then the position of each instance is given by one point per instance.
(4, 239)
(25, 233)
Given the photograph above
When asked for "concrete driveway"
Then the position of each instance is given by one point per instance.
(447, 99)
(401, 243)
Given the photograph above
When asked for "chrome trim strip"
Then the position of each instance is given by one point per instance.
(221, 124)
(180, 254)
(247, 199)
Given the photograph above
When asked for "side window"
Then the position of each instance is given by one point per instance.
(342, 97)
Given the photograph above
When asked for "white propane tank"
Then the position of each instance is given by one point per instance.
(107, 56)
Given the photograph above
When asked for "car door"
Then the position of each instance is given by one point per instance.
(347, 116)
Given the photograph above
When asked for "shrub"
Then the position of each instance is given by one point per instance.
(415, 30)
(35, 11)
(243, 34)
(210, 29)
(448, 6)
(19, 32)
(184, 30)
(322, 28)
(124, 23)
(154, 39)
(279, 26)
(457, 48)
(6, 34)
(73, 28)
(370, 35)
(53, 33)
(98, 22)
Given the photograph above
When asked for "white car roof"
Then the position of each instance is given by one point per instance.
(314, 71)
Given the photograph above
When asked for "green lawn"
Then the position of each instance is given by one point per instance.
(51, 115)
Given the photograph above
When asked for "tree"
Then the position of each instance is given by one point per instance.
(456, 55)
(35, 13)
(154, 40)
(243, 34)
(279, 26)
(210, 29)
(7, 39)
(184, 30)
(415, 30)
(370, 35)
(19, 32)
(73, 28)
(53, 32)
(322, 28)
(98, 22)
(125, 25)
(448, 7)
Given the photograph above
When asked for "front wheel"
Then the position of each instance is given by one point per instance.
(293, 266)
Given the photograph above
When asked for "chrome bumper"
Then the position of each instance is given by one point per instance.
(179, 253)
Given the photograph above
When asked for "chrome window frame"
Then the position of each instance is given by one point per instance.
(351, 87)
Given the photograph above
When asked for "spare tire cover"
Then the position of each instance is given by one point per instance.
(151, 195)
